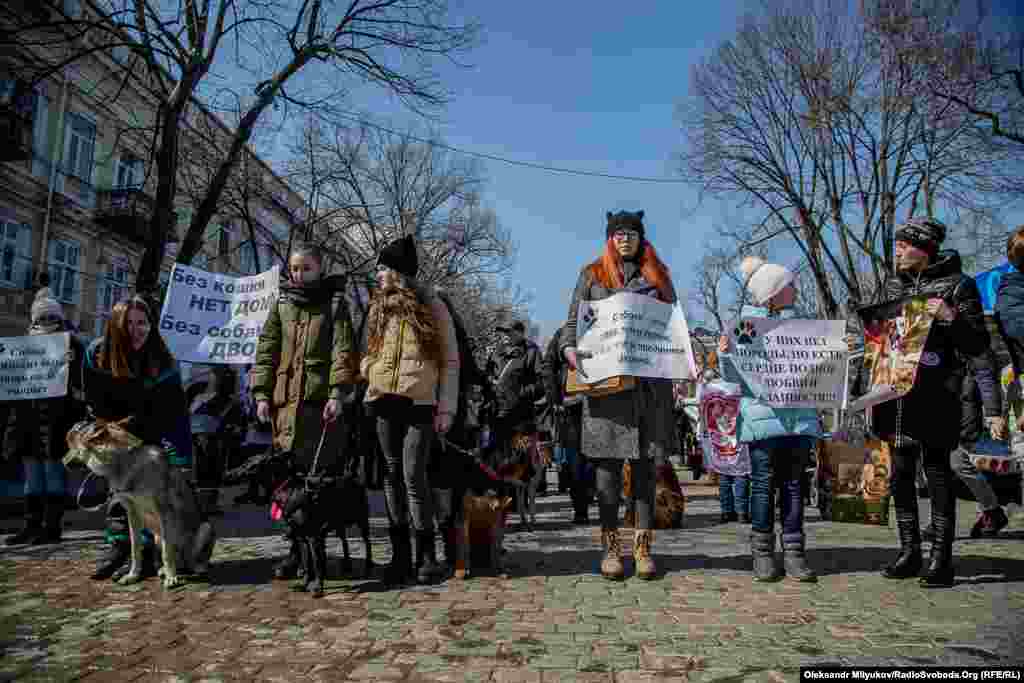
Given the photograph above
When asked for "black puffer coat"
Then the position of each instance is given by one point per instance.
(931, 413)
(1009, 315)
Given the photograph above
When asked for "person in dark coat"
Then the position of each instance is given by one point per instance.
(130, 375)
(638, 424)
(35, 431)
(566, 417)
(1009, 308)
(925, 423)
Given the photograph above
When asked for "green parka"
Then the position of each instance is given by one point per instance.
(306, 353)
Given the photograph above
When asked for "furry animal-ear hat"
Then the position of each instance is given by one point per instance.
(626, 220)
(400, 256)
(764, 280)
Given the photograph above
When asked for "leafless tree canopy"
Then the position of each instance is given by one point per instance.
(368, 187)
(245, 60)
(825, 128)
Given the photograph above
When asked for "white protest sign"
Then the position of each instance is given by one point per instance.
(34, 366)
(635, 335)
(792, 363)
(214, 318)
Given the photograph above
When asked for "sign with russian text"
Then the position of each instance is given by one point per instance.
(34, 367)
(632, 335)
(214, 318)
(790, 363)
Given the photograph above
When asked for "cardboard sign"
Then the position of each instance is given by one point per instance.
(34, 367)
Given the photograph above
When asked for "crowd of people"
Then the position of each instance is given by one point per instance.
(391, 398)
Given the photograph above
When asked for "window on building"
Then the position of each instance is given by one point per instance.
(200, 260)
(112, 288)
(81, 147)
(15, 255)
(65, 258)
(246, 258)
(72, 8)
(129, 172)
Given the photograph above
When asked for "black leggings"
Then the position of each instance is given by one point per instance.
(609, 491)
(940, 480)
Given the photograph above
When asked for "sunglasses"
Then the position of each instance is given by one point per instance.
(626, 234)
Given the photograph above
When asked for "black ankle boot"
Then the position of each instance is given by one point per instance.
(54, 519)
(399, 571)
(448, 538)
(939, 573)
(33, 529)
(116, 556)
(908, 562)
(426, 557)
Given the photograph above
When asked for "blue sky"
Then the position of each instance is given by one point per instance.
(591, 86)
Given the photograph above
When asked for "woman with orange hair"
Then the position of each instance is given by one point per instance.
(637, 424)
(131, 375)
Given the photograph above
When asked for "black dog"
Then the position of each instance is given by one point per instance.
(312, 507)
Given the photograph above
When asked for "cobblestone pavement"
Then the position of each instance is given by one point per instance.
(551, 619)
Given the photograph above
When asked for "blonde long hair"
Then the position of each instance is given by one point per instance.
(409, 303)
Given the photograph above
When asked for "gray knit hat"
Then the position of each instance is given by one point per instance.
(924, 233)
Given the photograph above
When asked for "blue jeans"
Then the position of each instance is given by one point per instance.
(733, 493)
(778, 463)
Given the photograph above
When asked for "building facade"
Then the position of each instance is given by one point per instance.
(77, 189)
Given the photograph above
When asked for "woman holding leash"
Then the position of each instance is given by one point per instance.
(304, 368)
(779, 439)
(636, 424)
(132, 378)
(412, 366)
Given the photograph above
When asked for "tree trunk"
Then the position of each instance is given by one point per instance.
(161, 223)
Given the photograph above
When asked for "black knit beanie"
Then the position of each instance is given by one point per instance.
(924, 233)
(626, 220)
(400, 256)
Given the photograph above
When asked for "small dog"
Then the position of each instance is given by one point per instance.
(313, 506)
(155, 495)
(669, 503)
(483, 526)
(527, 467)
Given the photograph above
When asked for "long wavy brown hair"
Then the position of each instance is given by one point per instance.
(116, 354)
(409, 303)
(608, 270)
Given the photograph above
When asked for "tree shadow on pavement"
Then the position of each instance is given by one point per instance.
(970, 569)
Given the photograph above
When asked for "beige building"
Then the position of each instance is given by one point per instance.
(76, 189)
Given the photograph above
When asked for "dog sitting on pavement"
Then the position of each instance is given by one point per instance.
(155, 495)
(669, 503)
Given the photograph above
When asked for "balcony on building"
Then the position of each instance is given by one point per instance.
(16, 107)
(126, 211)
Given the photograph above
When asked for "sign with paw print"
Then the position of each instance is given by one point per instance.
(791, 363)
(632, 335)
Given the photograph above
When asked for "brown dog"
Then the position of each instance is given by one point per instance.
(483, 526)
(669, 503)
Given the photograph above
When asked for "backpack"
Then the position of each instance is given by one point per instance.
(469, 372)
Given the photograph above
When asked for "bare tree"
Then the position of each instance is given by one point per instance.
(284, 56)
(821, 125)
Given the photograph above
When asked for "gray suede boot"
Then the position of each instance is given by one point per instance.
(795, 560)
(762, 547)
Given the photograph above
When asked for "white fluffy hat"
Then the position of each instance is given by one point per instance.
(764, 280)
(45, 304)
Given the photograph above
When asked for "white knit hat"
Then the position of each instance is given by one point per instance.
(764, 280)
(46, 305)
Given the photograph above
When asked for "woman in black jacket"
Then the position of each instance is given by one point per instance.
(131, 375)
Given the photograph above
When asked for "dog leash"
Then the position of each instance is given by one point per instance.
(81, 489)
(320, 446)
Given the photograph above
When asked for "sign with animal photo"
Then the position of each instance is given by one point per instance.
(791, 363)
(632, 335)
(853, 481)
(34, 367)
(719, 415)
(216, 319)
(895, 334)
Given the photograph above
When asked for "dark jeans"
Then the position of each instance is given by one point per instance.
(609, 491)
(734, 493)
(938, 472)
(778, 463)
(406, 438)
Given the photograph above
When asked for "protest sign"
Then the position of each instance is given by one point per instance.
(632, 335)
(791, 363)
(895, 334)
(214, 318)
(719, 412)
(34, 367)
